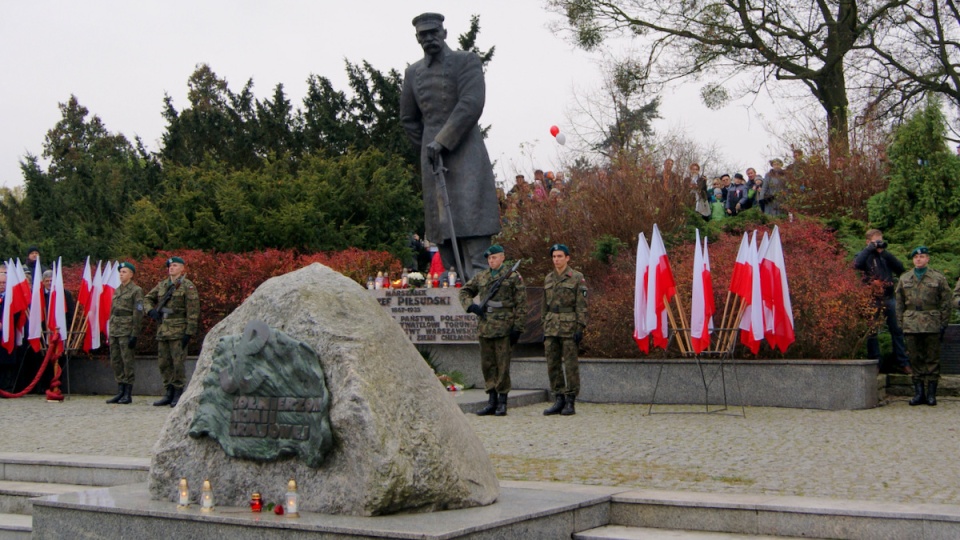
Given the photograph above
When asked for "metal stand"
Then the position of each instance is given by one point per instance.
(722, 342)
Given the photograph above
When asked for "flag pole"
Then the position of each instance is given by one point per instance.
(680, 342)
(733, 333)
(680, 313)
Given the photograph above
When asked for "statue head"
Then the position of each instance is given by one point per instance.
(430, 32)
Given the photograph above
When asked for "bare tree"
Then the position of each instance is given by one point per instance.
(805, 41)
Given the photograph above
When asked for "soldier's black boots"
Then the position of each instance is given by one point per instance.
(557, 406)
(491, 404)
(501, 406)
(121, 391)
(166, 399)
(932, 393)
(127, 395)
(177, 392)
(568, 407)
(920, 398)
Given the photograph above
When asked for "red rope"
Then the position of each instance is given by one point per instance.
(53, 353)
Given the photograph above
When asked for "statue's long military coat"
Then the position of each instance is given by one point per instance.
(443, 102)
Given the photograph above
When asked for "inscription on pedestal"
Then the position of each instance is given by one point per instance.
(429, 316)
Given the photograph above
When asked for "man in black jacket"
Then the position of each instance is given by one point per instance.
(880, 269)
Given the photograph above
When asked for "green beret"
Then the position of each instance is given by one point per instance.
(496, 248)
(128, 266)
(918, 250)
(172, 260)
(560, 247)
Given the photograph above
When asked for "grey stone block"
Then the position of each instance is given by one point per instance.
(94, 376)
(838, 526)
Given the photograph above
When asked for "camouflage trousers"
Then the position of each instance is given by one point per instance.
(121, 359)
(924, 352)
(563, 368)
(170, 359)
(495, 363)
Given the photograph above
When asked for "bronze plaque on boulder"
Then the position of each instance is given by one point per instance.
(265, 398)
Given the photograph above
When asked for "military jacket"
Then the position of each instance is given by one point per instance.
(923, 305)
(506, 311)
(956, 295)
(564, 308)
(126, 312)
(181, 315)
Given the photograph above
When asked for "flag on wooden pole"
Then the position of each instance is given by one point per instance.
(777, 308)
(641, 335)
(37, 311)
(661, 288)
(701, 304)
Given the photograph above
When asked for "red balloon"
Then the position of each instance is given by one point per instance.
(554, 130)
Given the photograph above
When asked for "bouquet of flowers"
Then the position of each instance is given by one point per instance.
(416, 279)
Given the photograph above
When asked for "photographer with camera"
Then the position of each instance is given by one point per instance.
(881, 269)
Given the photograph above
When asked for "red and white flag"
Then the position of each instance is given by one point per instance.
(751, 324)
(111, 280)
(57, 321)
(777, 308)
(86, 284)
(661, 288)
(91, 340)
(14, 302)
(640, 332)
(37, 312)
(741, 268)
(702, 304)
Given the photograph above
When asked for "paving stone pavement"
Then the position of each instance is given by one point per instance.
(891, 453)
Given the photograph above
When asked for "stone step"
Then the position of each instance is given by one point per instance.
(73, 469)
(620, 532)
(784, 516)
(15, 526)
(15, 495)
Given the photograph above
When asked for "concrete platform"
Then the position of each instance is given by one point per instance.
(128, 512)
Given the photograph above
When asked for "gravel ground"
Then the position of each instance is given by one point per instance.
(891, 453)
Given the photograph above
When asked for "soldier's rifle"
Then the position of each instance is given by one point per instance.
(495, 288)
(160, 313)
(439, 172)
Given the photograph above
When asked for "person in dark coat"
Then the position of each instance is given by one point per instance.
(440, 105)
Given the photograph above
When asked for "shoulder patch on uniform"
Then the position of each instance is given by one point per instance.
(139, 306)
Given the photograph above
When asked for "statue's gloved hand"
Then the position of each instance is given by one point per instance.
(433, 150)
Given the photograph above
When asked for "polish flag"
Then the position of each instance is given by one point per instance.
(23, 289)
(37, 311)
(111, 280)
(661, 287)
(751, 324)
(57, 321)
(14, 302)
(91, 340)
(738, 282)
(702, 304)
(777, 308)
(86, 284)
(640, 332)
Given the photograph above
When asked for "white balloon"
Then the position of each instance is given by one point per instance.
(561, 139)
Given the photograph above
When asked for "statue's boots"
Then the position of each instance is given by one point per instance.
(177, 392)
(491, 404)
(557, 406)
(932, 393)
(920, 394)
(166, 399)
(127, 395)
(568, 407)
(501, 405)
(121, 391)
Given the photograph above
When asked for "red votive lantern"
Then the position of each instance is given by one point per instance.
(256, 503)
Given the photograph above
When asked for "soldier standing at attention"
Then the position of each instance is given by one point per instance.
(126, 315)
(923, 310)
(501, 323)
(175, 305)
(564, 317)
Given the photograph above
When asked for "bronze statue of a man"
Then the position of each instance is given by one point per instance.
(440, 106)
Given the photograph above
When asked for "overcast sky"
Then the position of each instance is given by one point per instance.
(120, 57)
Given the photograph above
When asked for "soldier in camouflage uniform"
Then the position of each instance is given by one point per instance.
(179, 318)
(923, 310)
(500, 326)
(564, 317)
(126, 316)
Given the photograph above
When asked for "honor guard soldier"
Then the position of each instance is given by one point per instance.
(564, 317)
(923, 311)
(502, 312)
(126, 317)
(175, 305)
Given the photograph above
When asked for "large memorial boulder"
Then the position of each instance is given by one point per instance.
(382, 437)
